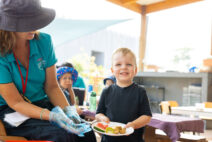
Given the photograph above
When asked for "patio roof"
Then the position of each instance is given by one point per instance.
(151, 5)
(145, 7)
(65, 30)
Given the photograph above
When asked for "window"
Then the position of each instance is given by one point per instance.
(99, 57)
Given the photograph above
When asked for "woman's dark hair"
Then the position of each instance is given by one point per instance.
(67, 65)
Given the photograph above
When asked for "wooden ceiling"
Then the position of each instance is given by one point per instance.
(154, 7)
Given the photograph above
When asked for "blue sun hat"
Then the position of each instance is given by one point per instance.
(62, 70)
(109, 78)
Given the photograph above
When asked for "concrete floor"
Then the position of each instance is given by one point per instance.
(207, 134)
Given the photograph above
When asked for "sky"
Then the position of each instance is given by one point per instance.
(96, 9)
(88, 9)
(168, 30)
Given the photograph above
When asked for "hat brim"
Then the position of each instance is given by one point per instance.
(28, 23)
(63, 70)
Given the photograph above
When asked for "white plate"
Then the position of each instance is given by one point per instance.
(129, 130)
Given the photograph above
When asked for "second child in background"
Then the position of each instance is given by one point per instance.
(109, 80)
(66, 76)
(79, 83)
(125, 102)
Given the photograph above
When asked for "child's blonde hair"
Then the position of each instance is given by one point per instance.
(124, 52)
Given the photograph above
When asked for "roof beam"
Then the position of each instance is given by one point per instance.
(132, 5)
(129, 5)
(128, 1)
(168, 4)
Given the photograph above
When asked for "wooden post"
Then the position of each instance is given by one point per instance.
(142, 47)
(211, 35)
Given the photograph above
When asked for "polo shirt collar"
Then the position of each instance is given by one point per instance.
(10, 57)
(33, 47)
(33, 51)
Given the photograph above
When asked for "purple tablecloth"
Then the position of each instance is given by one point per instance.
(172, 125)
(88, 113)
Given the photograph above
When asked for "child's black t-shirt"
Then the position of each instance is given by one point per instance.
(124, 105)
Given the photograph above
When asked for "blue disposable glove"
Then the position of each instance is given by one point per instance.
(58, 117)
(71, 112)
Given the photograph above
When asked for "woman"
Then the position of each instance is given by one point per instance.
(28, 83)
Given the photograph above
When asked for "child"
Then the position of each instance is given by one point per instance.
(66, 76)
(79, 83)
(125, 102)
(86, 114)
(109, 80)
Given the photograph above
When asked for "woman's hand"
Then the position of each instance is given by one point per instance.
(71, 112)
(58, 117)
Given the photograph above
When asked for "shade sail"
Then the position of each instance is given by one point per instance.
(64, 30)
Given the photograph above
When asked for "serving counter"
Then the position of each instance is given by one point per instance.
(173, 84)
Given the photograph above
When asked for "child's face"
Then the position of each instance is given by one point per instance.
(66, 80)
(123, 68)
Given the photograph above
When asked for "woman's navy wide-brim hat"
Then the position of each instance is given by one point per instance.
(24, 15)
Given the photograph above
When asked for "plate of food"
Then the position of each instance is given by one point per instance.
(112, 128)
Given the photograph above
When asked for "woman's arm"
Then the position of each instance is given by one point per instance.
(15, 101)
(53, 90)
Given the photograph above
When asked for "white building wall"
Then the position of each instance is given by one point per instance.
(103, 41)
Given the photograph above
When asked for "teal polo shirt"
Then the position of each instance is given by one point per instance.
(42, 56)
(79, 83)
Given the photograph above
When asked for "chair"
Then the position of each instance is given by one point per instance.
(208, 104)
(5, 137)
(207, 119)
(80, 93)
(165, 106)
(173, 103)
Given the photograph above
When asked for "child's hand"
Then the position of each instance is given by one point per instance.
(79, 111)
(69, 86)
(102, 117)
(130, 124)
(105, 119)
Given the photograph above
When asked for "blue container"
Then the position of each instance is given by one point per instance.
(90, 88)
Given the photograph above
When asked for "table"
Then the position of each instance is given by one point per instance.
(192, 111)
(87, 114)
(173, 125)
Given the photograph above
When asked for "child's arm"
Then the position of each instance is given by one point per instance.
(71, 94)
(139, 122)
(102, 117)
